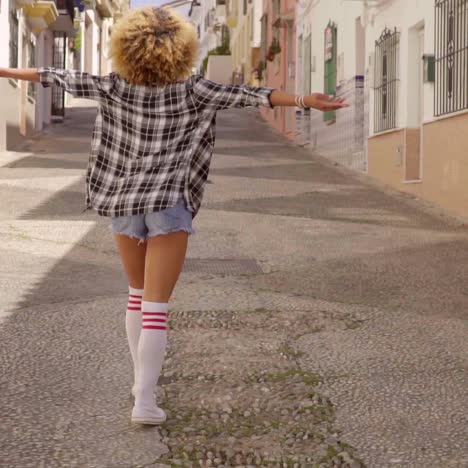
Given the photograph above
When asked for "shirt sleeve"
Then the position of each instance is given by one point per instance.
(77, 83)
(218, 96)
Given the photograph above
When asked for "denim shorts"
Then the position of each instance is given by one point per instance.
(177, 218)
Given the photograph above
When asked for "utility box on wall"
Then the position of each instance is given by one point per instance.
(429, 68)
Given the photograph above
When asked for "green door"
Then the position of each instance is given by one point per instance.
(330, 67)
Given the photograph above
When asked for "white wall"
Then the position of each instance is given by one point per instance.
(3, 63)
(314, 21)
(343, 140)
(407, 17)
(257, 8)
(208, 40)
(219, 69)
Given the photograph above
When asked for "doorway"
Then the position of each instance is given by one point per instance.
(414, 131)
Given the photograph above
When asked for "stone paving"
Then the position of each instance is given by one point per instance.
(320, 320)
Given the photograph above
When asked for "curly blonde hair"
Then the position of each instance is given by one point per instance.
(153, 46)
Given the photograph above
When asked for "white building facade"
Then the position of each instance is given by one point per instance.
(331, 59)
(28, 30)
(403, 67)
(208, 17)
(419, 101)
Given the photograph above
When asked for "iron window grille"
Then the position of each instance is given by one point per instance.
(386, 80)
(13, 40)
(451, 56)
(58, 95)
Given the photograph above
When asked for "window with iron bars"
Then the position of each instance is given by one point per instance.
(386, 80)
(13, 40)
(451, 56)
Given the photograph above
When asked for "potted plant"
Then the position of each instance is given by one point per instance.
(259, 69)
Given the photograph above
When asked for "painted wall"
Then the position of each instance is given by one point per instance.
(18, 109)
(425, 155)
(219, 69)
(208, 39)
(280, 73)
(343, 140)
(407, 17)
(245, 38)
(444, 164)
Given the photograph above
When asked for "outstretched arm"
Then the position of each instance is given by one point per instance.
(26, 74)
(318, 101)
(77, 83)
(218, 96)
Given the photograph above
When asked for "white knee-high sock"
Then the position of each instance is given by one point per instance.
(133, 324)
(151, 348)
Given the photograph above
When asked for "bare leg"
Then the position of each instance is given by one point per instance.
(132, 254)
(165, 256)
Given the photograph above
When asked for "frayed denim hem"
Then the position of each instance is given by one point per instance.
(163, 232)
(141, 240)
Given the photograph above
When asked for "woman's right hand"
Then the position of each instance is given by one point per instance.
(324, 102)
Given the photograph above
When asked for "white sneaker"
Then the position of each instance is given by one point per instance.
(153, 416)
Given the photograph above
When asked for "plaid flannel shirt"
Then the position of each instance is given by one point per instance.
(150, 145)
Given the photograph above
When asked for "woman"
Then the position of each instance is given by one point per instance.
(150, 156)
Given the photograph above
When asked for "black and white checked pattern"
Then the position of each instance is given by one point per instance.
(150, 145)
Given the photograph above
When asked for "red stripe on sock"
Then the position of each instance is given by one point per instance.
(134, 308)
(153, 327)
(160, 314)
(154, 320)
(134, 302)
(135, 297)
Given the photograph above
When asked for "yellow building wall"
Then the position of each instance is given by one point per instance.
(241, 42)
(444, 167)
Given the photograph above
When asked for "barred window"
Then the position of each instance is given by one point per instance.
(13, 40)
(386, 80)
(58, 94)
(451, 56)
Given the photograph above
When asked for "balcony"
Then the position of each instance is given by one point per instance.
(66, 9)
(40, 15)
(21, 3)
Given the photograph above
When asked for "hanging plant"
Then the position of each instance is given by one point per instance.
(273, 50)
(259, 69)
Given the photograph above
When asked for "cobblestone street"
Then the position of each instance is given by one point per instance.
(320, 321)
